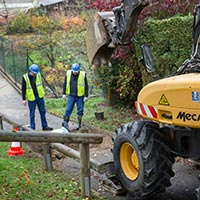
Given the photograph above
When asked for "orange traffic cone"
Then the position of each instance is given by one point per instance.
(15, 149)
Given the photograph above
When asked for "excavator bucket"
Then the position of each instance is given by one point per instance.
(111, 29)
(98, 39)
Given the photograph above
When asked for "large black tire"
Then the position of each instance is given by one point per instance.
(142, 160)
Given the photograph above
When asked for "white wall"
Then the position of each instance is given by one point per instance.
(14, 4)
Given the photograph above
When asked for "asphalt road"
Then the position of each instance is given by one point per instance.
(183, 185)
(184, 182)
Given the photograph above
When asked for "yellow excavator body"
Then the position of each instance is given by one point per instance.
(174, 100)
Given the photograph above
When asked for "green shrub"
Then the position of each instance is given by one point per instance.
(170, 41)
(21, 24)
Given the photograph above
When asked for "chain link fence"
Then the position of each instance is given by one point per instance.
(13, 59)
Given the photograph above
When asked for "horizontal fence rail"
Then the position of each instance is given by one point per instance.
(33, 136)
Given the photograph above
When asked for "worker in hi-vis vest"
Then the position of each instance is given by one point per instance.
(33, 93)
(76, 88)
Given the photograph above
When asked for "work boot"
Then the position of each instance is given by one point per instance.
(79, 122)
(65, 122)
(47, 129)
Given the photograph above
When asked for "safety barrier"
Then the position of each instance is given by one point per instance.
(84, 139)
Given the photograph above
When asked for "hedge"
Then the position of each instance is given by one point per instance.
(170, 41)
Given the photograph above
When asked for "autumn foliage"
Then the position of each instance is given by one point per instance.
(123, 79)
(157, 8)
(73, 22)
(103, 5)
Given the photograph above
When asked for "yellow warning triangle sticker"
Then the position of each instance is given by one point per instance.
(163, 101)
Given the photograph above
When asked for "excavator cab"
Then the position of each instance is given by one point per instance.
(111, 29)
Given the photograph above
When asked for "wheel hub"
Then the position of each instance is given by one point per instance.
(129, 161)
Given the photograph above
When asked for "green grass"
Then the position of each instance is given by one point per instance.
(24, 178)
(113, 116)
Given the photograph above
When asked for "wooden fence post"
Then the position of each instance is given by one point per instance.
(85, 170)
(1, 123)
(47, 156)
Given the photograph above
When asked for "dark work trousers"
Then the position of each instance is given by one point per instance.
(70, 105)
(41, 107)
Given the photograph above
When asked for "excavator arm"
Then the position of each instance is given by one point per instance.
(110, 29)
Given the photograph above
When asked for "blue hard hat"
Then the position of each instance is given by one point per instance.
(75, 67)
(34, 68)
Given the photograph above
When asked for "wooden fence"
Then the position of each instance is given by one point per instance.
(48, 137)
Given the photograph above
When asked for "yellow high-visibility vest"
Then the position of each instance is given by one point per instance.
(29, 90)
(80, 85)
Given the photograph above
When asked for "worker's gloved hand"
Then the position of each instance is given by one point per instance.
(85, 99)
(64, 96)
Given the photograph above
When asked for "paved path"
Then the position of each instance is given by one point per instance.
(11, 106)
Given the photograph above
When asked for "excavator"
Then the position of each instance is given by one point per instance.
(145, 150)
